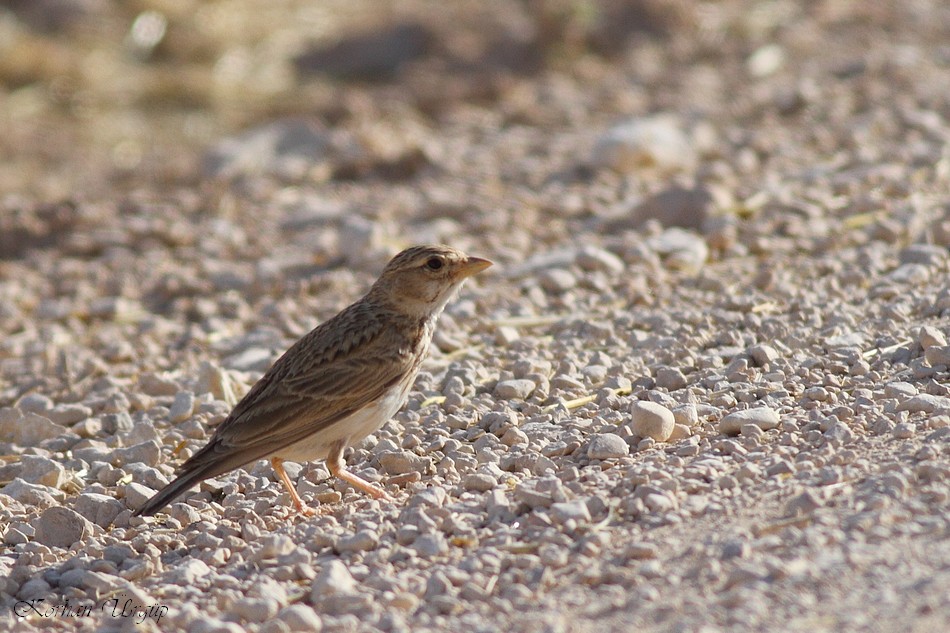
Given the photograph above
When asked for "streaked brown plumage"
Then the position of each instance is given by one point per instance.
(340, 382)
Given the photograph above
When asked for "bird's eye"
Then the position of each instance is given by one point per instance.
(434, 263)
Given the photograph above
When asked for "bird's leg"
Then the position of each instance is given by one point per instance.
(278, 465)
(337, 468)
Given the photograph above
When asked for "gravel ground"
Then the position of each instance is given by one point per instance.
(705, 387)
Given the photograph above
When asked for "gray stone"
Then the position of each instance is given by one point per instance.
(98, 508)
(925, 403)
(765, 418)
(649, 419)
(608, 446)
(300, 617)
(402, 462)
(182, 407)
(516, 389)
(26, 429)
(653, 141)
(136, 495)
(556, 280)
(68, 414)
(61, 527)
(575, 510)
(42, 470)
(929, 336)
(148, 453)
(188, 572)
(32, 494)
(591, 258)
(334, 578)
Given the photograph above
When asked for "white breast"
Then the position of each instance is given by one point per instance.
(350, 430)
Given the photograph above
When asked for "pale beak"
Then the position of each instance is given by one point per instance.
(474, 265)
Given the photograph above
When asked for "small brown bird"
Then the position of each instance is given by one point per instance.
(340, 382)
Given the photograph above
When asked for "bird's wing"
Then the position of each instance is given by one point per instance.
(316, 390)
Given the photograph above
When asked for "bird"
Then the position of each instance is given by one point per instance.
(339, 383)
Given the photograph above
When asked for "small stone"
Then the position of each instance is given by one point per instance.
(765, 418)
(929, 336)
(68, 414)
(575, 510)
(763, 355)
(766, 60)
(300, 617)
(216, 381)
(276, 545)
(402, 462)
(642, 551)
(155, 384)
(649, 419)
(505, 335)
(148, 453)
(26, 429)
(430, 545)
(188, 572)
(556, 280)
(98, 508)
(479, 482)
(925, 403)
(33, 589)
(34, 403)
(42, 470)
(681, 250)
(516, 389)
(32, 494)
(182, 407)
(653, 141)
(670, 378)
(680, 432)
(136, 495)
(61, 527)
(334, 578)
(608, 446)
(803, 504)
(362, 541)
(937, 355)
(591, 258)
(255, 609)
(904, 431)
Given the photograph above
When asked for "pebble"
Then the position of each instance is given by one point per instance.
(137, 494)
(402, 462)
(653, 141)
(928, 336)
(608, 446)
(182, 407)
(937, 355)
(925, 403)
(334, 578)
(35, 495)
(300, 617)
(575, 510)
(652, 420)
(670, 378)
(188, 572)
(515, 389)
(61, 527)
(26, 429)
(98, 508)
(148, 453)
(556, 280)
(681, 250)
(42, 470)
(591, 258)
(68, 414)
(765, 418)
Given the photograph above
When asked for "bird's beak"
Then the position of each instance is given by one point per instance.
(474, 265)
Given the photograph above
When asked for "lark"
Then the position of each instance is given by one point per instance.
(337, 384)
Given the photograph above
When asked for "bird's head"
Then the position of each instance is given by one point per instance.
(420, 280)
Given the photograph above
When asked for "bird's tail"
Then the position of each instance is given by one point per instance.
(170, 492)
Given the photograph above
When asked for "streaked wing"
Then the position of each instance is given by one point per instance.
(342, 366)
